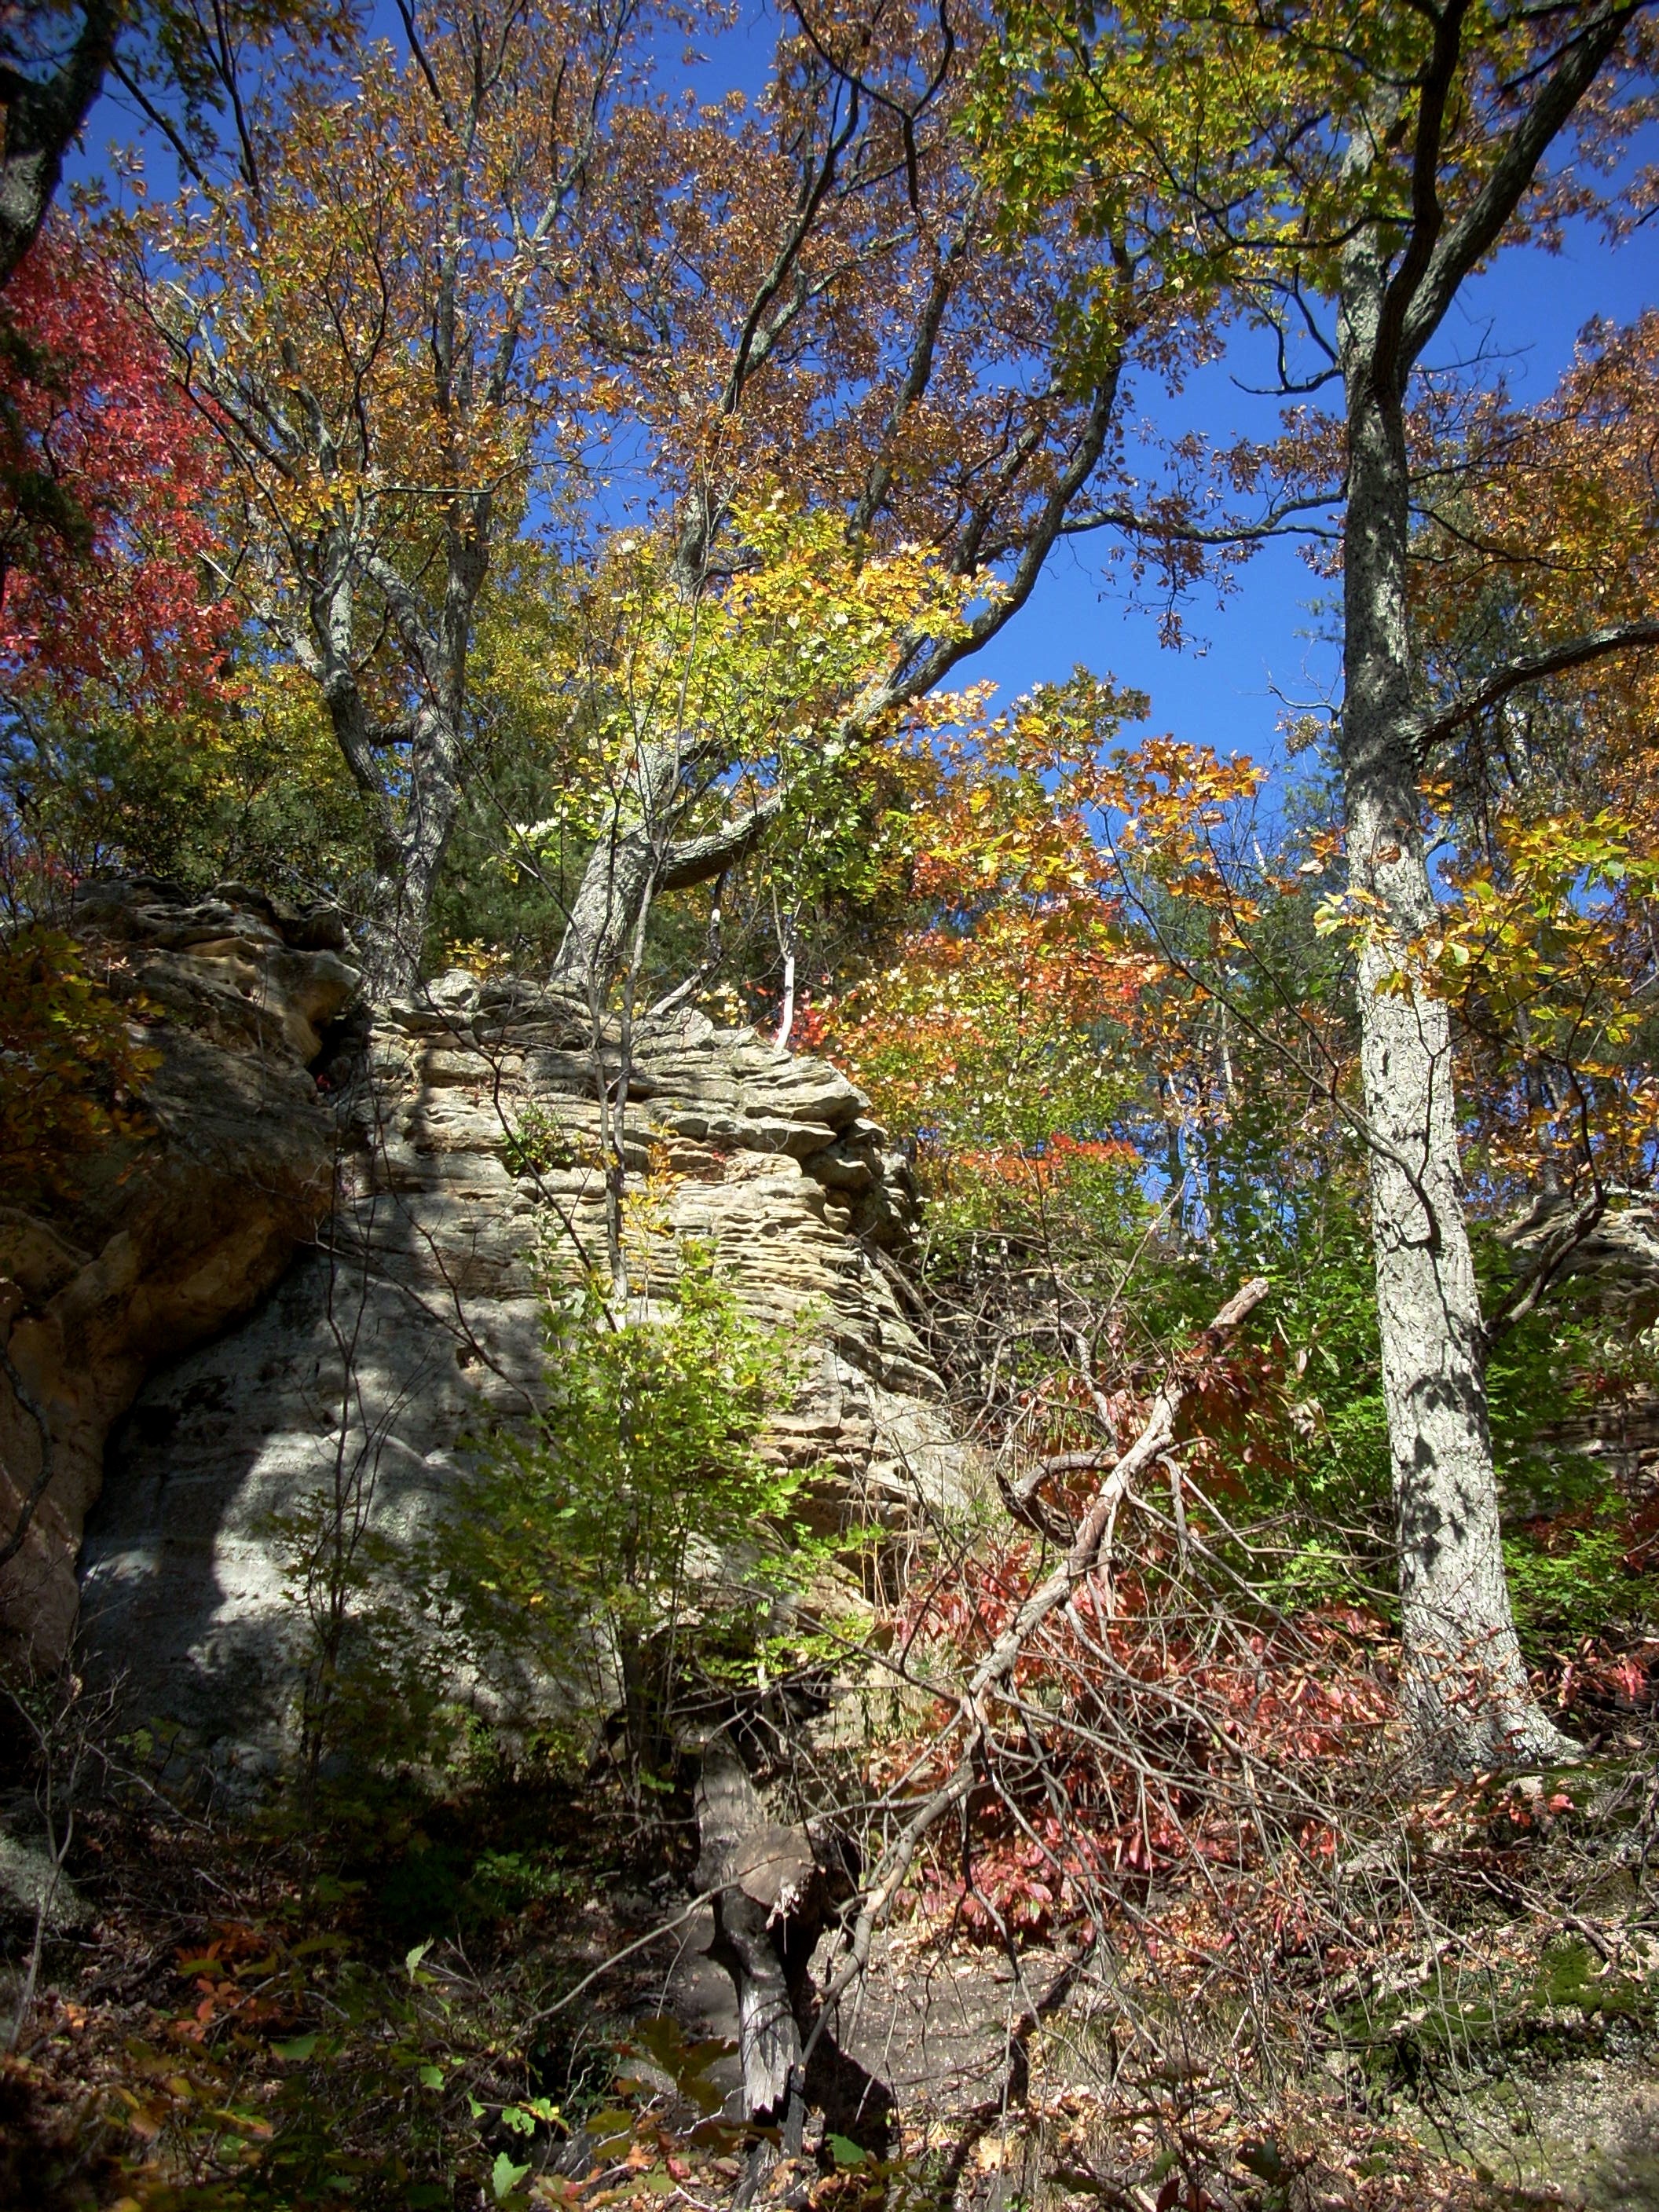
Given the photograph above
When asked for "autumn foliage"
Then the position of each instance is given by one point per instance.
(498, 472)
(72, 1065)
(107, 480)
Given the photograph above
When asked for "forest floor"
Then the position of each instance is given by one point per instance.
(1562, 2130)
(395, 2011)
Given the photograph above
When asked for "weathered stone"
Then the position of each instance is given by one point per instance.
(462, 1156)
(796, 1140)
(1611, 1264)
(167, 1234)
(457, 991)
(430, 1263)
(843, 1169)
(33, 1883)
(441, 1065)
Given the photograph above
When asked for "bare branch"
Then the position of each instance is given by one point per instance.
(1533, 668)
(972, 1718)
(1459, 250)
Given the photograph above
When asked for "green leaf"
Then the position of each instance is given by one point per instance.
(844, 2151)
(325, 1942)
(610, 2127)
(296, 2051)
(432, 2078)
(411, 1962)
(329, 1889)
(505, 2177)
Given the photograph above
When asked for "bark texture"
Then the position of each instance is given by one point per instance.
(409, 849)
(409, 834)
(1466, 1685)
(623, 873)
(774, 1891)
(42, 117)
(767, 1883)
(639, 853)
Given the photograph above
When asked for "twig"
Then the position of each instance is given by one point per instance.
(971, 1718)
(639, 1943)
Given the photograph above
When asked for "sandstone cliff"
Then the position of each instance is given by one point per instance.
(386, 1221)
(172, 1230)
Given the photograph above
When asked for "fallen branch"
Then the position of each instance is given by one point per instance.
(1092, 1539)
(639, 1943)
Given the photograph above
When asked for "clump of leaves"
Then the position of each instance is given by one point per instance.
(634, 1538)
(538, 1142)
(70, 1063)
(1571, 1582)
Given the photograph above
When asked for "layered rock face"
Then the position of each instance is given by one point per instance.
(1612, 1262)
(175, 1228)
(452, 1161)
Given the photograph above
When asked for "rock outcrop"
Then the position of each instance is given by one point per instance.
(1606, 1262)
(386, 1223)
(178, 1225)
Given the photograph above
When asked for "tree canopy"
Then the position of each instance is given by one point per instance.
(468, 469)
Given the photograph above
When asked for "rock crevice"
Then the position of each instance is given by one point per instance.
(322, 1268)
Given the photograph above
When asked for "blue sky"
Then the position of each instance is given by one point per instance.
(1529, 309)
(1224, 688)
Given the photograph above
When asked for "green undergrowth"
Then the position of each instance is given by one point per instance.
(1568, 2001)
(370, 2013)
(1512, 1982)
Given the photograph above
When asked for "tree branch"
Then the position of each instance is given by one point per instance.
(41, 121)
(1427, 215)
(814, 192)
(1278, 522)
(1533, 668)
(972, 1719)
(917, 374)
(414, 623)
(1541, 1269)
(699, 858)
(916, 676)
(1477, 230)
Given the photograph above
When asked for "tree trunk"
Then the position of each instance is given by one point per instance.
(408, 860)
(750, 1931)
(637, 856)
(41, 118)
(774, 1901)
(787, 1010)
(622, 874)
(1466, 1686)
(617, 881)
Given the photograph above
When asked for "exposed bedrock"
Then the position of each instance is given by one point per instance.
(172, 1232)
(315, 1272)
